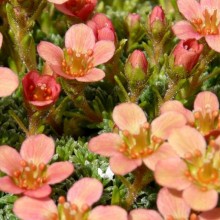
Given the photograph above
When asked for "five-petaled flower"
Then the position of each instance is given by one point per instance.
(28, 172)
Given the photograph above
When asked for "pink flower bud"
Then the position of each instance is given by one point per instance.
(138, 60)
(40, 90)
(102, 27)
(187, 53)
(157, 14)
(133, 20)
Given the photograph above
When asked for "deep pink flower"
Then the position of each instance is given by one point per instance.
(80, 55)
(40, 90)
(136, 140)
(8, 81)
(187, 53)
(203, 21)
(77, 8)
(195, 171)
(102, 27)
(157, 14)
(28, 172)
(80, 197)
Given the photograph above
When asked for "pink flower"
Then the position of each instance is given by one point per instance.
(187, 53)
(102, 27)
(133, 20)
(8, 81)
(136, 140)
(203, 21)
(40, 90)
(157, 14)
(195, 171)
(28, 172)
(80, 197)
(170, 205)
(80, 55)
(80, 9)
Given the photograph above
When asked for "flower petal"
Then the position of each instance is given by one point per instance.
(9, 160)
(211, 5)
(57, 1)
(92, 75)
(8, 81)
(171, 203)
(85, 191)
(213, 214)
(57, 172)
(163, 152)
(106, 144)
(144, 214)
(129, 116)
(50, 52)
(41, 192)
(38, 149)
(103, 52)
(191, 9)
(27, 208)
(207, 200)
(122, 165)
(167, 174)
(106, 34)
(187, 141)
(163, 125)
(80, 38)
(108, 213)
(184, 30)
(7, 185)
(1, 39)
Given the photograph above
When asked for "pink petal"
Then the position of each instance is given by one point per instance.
(57, 172)
(191, 9)
(163, 125)
(50, 52)
(108, 213)
(129, 116)
(122, 165)
(41, 192)
(57, 1)
(200, 200)
(103, 52)
(1, 39)
(177, 106)
(163, 152)
(171, 203)
(28, 209)
(211, 5)
(7, 185)
(167, 174)
(58, 70)
(213, 214)
(85, 191)
(38, 149)
(204, 100)
(80, 38)
(8, 81)
(92, 75)
(106, 34)
(187, 141)
(144, 214)
(184, 30)
(106, 144)
(41, 103)
(9, 160)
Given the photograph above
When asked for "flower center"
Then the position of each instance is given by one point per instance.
(208, 26)
(77, 64)
(31, 176)
(140, 145)
(70, 211)
(40, 92)
(207, 174)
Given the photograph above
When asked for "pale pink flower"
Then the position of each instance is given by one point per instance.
(136, 140)
(80, 56)
(80, 198)
(8, 81)
(28, 172)
(170, 205)
(203, 21)
(205, 116)
(195, 171)
(80, 9)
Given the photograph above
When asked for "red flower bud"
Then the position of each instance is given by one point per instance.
(40, 90)
(157, 14)
(187, 53)
(133, 20)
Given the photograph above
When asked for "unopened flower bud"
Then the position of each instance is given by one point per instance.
(133, 20)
